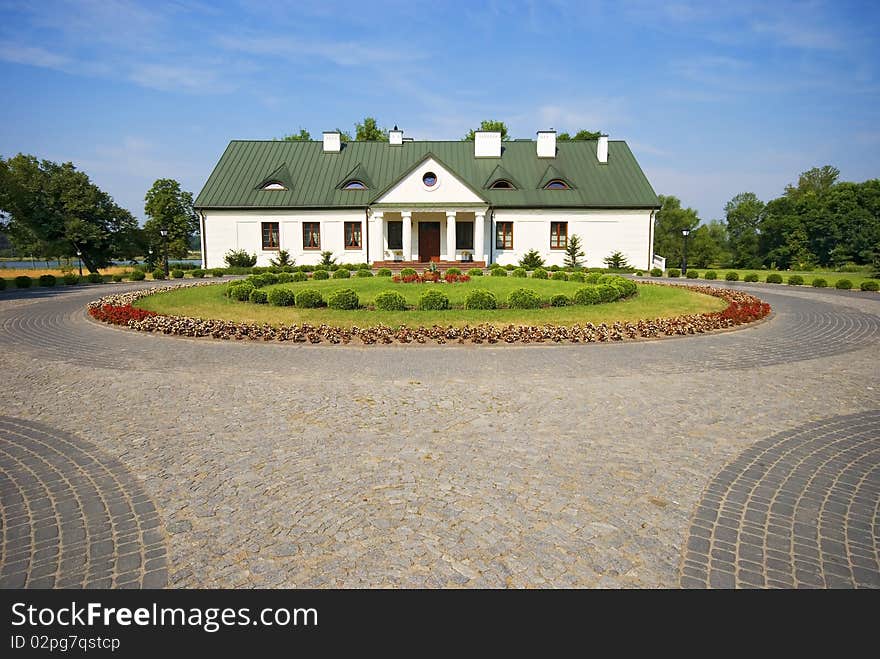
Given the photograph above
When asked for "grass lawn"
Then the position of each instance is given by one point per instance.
(831, 276)
(651, 302)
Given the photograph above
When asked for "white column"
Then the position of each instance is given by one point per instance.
(450, 235)
(377, 237)
(406, 220)
(479, 235)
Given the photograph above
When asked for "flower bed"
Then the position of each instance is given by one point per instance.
(449, 278)
(742, 308)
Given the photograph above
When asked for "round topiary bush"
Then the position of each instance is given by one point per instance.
(519, 272)
(751, 277)
(285, 278)
(117, 278)
(95, 278)
(383, 272)
(321, 274)
(795, 280)
(475, 272)
(407, 272)
(23, 282)
(280, 297)
(774, 278)
(560, 300)
(608, 292)
(509, 267)
(453, 271)
(390, 301)
(258, 296)
(158, 274)
(240, 291)
(732, 276)
(136, 275)
(433, 300)
(818, 282)
(198, 273)
(710, 274)
(524, 298)
(656, 272)
(626, 287)
(559, 275)
(345, 298)
(593, 278)
(49, 280)
(498, 272)
(480, 298)
(843, 284)
(673, 272)
(72, 279)
(577, 276)
(363, 272)
(299, 276)
(587, 295)
(539, 273)
(308, 298)
(177, 274)
(870, 285)
(693, 274)
(342, 273)
(217, 272)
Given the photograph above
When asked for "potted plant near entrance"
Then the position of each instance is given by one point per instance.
(466, 256)
(397, 254)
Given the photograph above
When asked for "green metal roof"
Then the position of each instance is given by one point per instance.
(314, 178)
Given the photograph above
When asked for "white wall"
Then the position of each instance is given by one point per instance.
(225, 230)
(449, 188)
(602, 232)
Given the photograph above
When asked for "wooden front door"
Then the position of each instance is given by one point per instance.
(429, 241)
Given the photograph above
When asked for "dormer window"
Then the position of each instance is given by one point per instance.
(355, 185)
(557, 184)
(502, 184)
(273, 185)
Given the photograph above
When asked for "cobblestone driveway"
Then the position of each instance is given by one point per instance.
(285, 465)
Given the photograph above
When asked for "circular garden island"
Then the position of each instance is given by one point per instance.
(413, 307)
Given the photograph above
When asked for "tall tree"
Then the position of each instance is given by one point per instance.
(169, 207)
(743, 214)
(489, 124)
(369, 131)
(668, 225)
(579, 136)
(302, 136)
(707, 245)
(816, 180)
(56, 211)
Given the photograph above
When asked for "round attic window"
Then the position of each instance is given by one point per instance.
(429, 179)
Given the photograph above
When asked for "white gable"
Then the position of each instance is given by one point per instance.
(415, 188)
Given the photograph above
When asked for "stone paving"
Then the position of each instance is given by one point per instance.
(522, 466)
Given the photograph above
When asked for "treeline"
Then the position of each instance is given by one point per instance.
(52, 210)
(819, 222)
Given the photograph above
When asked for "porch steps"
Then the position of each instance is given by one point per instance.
(397, 266)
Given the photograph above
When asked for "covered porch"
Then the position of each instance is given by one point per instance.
(415, 238)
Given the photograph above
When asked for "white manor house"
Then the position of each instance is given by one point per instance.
(405, 202)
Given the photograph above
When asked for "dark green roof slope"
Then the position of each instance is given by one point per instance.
(315, 176)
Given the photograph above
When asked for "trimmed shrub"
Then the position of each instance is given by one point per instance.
(577, 276)
(498, 272)
(843, 284)
(539, 273)
(308, 298)
(553, 268)
(587, 295)
(270, 278)
(321, 274)
(198, 274)
(693, 274)
(383, 272)
(217, 272)
(559, 276)
(480, 298)
(639, 273)
(560, 300)
(453, 271)
(299, 276)
(608, 292)
(795, 280)
(656, 272)
(818, 282)
(407, 272)
(177, 274)
(433, 300)
(390, 301)
(240, 291)
(475, 272)
(320, 266)
(137, 275)
(710, 274)
(72, 279)
(49, 280)
(158, 273)
(285, 278)
(346, 266)
(870, 285)
(345, 298)
(673, 272)
(116, 278)
(23, 282)
(774, 278)
(510, 267)
(519, 272)
(95, 278)
(751, 277)
(2, 284)
(524, 298)
(239, 258)
(258, 296)
(732, 276)
(361, 272)
(627, 287)
(593, 278)
(284, 297)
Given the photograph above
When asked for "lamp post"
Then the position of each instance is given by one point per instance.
(164, 232)
(684, 254)
(79, 255)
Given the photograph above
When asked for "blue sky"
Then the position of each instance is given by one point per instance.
(713, 98)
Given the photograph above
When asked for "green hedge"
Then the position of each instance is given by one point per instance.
(307, 298)
(390, 301)
(177, 274)
(519, 272)
(751, 277)
(673, 272)
(71, 279)
(498, 272)
(577, 276)
(342, 273)
(258, 296)
(795, 280)
(656, 272)
(48, 280)
(524, 298)
(774, 278)
(559, 276)
(819, 282)
(843, 284)
(480, 298)
(732, 276)
(693, 274)
(433, 300)
(383, 272)
(23, 281)
(475, 272)
(560, 300)
(587, 295)
(407, 272)
(345, 298)
(363, 272)
(157, 274)
(539, 273)
(710, 274)
(320, 274)
(870, 285)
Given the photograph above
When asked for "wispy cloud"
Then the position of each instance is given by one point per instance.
(798, 35)
(32, 56)
(342, 53)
